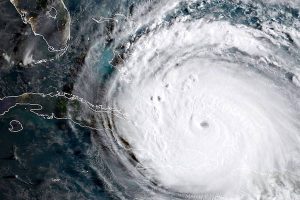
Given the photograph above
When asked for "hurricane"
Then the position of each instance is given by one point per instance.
(191, 99)
(209, 96)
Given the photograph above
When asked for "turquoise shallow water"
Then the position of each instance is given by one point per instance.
(47, 159)
(51, 146)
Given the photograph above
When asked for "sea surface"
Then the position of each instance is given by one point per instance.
(75, 76)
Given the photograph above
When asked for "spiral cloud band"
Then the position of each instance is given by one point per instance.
(211, 100)
(199, 122)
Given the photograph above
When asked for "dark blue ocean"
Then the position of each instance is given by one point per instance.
(51, 146)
